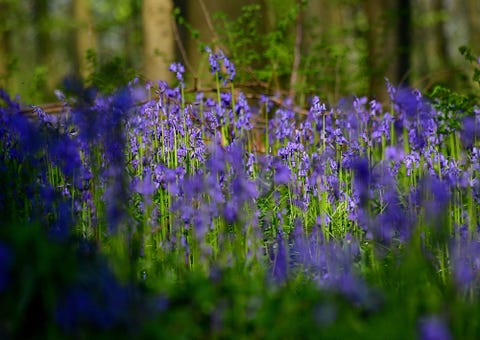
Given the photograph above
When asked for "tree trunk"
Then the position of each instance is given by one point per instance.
(474, 25)
(5, 45)
(381, 46)
(404, 34)
(132, 33)
(158, 39)
(441, 46)
(84, 35)
(42, 40)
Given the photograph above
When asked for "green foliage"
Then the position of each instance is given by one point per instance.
(261, 43)
(452, 105)
(265, 56)
(108, 73)
(41, 270)
(474, 60)
(242, 38)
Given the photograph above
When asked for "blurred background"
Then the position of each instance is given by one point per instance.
(332, 48)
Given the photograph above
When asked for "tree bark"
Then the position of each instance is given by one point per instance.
(474, 25)
(42, 41)
(404, 31)
(5, 45)
(84, 35)
(132, 33)
(158, 39)
(381, 46)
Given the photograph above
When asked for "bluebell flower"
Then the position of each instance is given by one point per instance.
(282, 173)
(280, 260)
(64, 220)
(470, 132)
(179, 70)
(230, 68)
(65, 152)
(433, 328)
(394, 153)
(96, 301)
(465, 262)
(146, 186)
(407, 102)
(331, 265)
(362, 179)
(213, 60)
(243, 112)
(230, 212)
(6, 262)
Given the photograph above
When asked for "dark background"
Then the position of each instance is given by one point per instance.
(332, 48)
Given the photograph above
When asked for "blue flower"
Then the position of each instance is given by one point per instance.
(280, 260)
(179, 70)
(213, 60)
(433, 328)
(230, 67)
(282, 173)
(6, 260)
(470, 132)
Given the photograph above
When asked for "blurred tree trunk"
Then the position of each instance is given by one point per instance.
(44, 51)
(404, 31)
(43, 44)
(382, 45)
(158, 39)
(5, 44)
(325, 19)
(441, 45)
(4, 53)
(473, 7)
(132, 33)
(84, 35)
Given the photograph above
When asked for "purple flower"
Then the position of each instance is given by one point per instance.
(282, 173)
(317, 109)
(63, 151)
(230, 67)
(213, 60)
(179, 70)
(362, 179)
(97, 300)
(146, 186)
(331, 265)
(394, 153)
(243, 112)
(6, 260)
(280, 260)
(441, 197)
(215, 67)
(230, 212)
(60, 230)
(407, 102)
(465, 262)
(433, 328)
(470, 132)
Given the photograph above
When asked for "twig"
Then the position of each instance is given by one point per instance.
(208, 20)
(181, 48)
